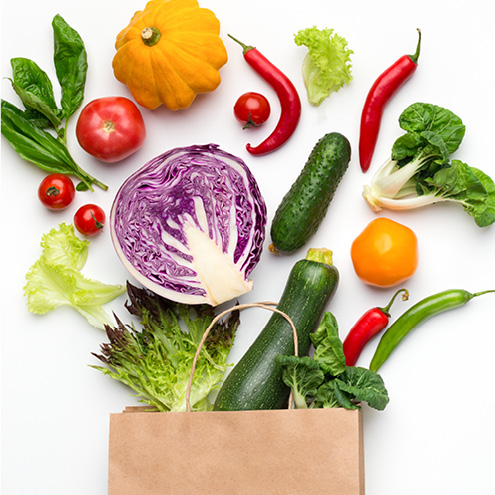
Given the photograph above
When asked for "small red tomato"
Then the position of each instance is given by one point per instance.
(89, 219)
(56, 191)
(110, 128)
(252, 109)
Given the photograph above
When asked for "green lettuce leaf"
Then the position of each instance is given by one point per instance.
(327, 65)
(156, 361)
(55, 279)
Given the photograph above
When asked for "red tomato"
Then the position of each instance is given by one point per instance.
(56, 191)
(89, 219)
(110, 128)
(252, 109)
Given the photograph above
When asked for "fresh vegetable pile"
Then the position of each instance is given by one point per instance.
(189, 225)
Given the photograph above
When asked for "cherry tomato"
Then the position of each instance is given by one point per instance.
(385, 253)
(252, 109)
(56, 191)
(110, 128)
(89, 219)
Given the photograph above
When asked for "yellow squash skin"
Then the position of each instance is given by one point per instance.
(184, 62)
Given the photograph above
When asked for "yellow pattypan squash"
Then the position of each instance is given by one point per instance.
(170, 52)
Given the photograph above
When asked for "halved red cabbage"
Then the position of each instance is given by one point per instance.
(190, 225)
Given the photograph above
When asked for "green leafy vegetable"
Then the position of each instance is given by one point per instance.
(325, 380)
(303, 376)
(39, 147)
(327, 65)
(70, 64)
(156, 361)
(28, 130)
(55, 279)
(420, 172)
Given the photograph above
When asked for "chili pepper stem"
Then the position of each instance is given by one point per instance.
(415, 57)
(476, 294)
(405, 297)
(245, 48)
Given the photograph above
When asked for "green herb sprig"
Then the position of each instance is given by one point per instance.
(38, 133)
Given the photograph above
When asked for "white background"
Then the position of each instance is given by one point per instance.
(437, 435)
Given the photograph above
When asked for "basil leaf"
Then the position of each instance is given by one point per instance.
(70, 64)
(35, 89)
(34, 102)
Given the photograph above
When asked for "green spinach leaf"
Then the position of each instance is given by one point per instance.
(70, 63)
(35, 89)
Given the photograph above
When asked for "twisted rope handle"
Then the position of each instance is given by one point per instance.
(264, 305)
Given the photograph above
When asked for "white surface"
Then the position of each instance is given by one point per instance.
(437, 435)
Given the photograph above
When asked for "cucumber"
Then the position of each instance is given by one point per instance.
(255, 382)
(303, 208)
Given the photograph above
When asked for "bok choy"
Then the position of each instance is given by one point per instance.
(420, 172)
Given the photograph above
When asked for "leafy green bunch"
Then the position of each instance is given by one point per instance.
(324, 381)
(27, 130)
(156, 361)
(420, 172)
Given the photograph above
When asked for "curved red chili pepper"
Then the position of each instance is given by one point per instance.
(387, 84)
(289, 100)
(369, 325)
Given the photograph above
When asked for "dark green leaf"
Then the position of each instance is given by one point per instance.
(420, 117)
(302, 375)
(39, 146)
(33, 102)
(35, 89)
(329, 395)
(70, 63)
(364, 386)
(329, 352)
(471, 187)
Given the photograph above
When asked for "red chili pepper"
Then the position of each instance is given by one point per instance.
(379, 95)
(287, 94)
(369, 325)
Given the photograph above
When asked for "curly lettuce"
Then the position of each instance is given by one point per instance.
(327, 65)
(55, 279)
(156, 361)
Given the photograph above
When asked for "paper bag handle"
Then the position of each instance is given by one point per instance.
(240, 307)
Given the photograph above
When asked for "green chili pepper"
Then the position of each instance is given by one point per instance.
(414, 316)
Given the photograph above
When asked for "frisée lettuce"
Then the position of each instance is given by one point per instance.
(156, 361)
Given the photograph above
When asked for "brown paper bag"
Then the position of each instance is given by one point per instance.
(303, 452)
(289, 451)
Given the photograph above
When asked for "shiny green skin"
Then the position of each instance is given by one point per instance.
(415, 316)
(303, 208)
(255, 382)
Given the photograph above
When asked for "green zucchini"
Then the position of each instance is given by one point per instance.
(255, 382)
(303, 208)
